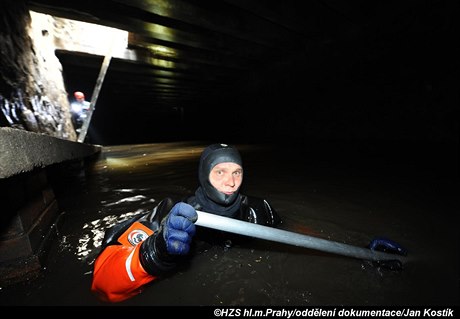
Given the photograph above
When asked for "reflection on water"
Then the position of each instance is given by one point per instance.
(93, 232)
(143, 158)
(137, 198)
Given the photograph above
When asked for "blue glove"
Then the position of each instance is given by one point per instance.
(387, 245)
(174, 227)
(179, 228)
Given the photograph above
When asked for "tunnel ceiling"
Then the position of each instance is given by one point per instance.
(215, 47)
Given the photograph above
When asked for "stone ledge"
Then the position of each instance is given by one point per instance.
(22, 151)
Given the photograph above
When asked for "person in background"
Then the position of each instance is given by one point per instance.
(79, 109)
(143, 249)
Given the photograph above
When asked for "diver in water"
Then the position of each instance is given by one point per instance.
(142, 249)
(138, 251)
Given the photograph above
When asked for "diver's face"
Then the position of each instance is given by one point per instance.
(226, 177)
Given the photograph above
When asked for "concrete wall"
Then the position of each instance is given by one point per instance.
(29, 210)
(35, 132)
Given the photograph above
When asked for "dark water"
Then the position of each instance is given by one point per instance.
(345, 193)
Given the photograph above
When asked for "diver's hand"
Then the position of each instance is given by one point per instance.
(162, 251)
(179, 228)
(388, 246)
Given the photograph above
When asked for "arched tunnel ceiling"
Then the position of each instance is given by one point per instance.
(216, 44)
(217, 47)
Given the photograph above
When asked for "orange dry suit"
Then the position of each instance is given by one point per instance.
(134, 252)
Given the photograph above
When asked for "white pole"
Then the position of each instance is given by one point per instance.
(94, 96)
(283, 236)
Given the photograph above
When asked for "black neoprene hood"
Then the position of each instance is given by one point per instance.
(212, 155)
